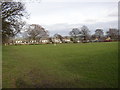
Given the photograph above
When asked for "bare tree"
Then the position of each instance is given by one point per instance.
(99, 34)
(36, 32)
(12, 23)
(58, 36)
(113, 33)
(85, 33)
(75, 33)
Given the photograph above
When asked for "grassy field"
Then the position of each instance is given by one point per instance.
(87, 65)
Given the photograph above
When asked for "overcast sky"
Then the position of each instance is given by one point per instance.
(60, 16)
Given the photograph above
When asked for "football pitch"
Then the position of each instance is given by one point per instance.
(81, 65)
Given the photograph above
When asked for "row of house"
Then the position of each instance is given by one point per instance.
(41, 41)
(50, 40)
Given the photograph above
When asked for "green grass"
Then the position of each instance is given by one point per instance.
(87, 65)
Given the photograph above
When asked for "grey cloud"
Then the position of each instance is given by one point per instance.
(64, 28)
(114, 14)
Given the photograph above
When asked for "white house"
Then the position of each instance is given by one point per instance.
(67, 40)
(44, 41)
(56, 40)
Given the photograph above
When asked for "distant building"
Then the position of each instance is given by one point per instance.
(44, 41)
(67, 39)
(56, 40)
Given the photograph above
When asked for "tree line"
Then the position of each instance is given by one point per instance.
(83, 34)
(36, 33)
